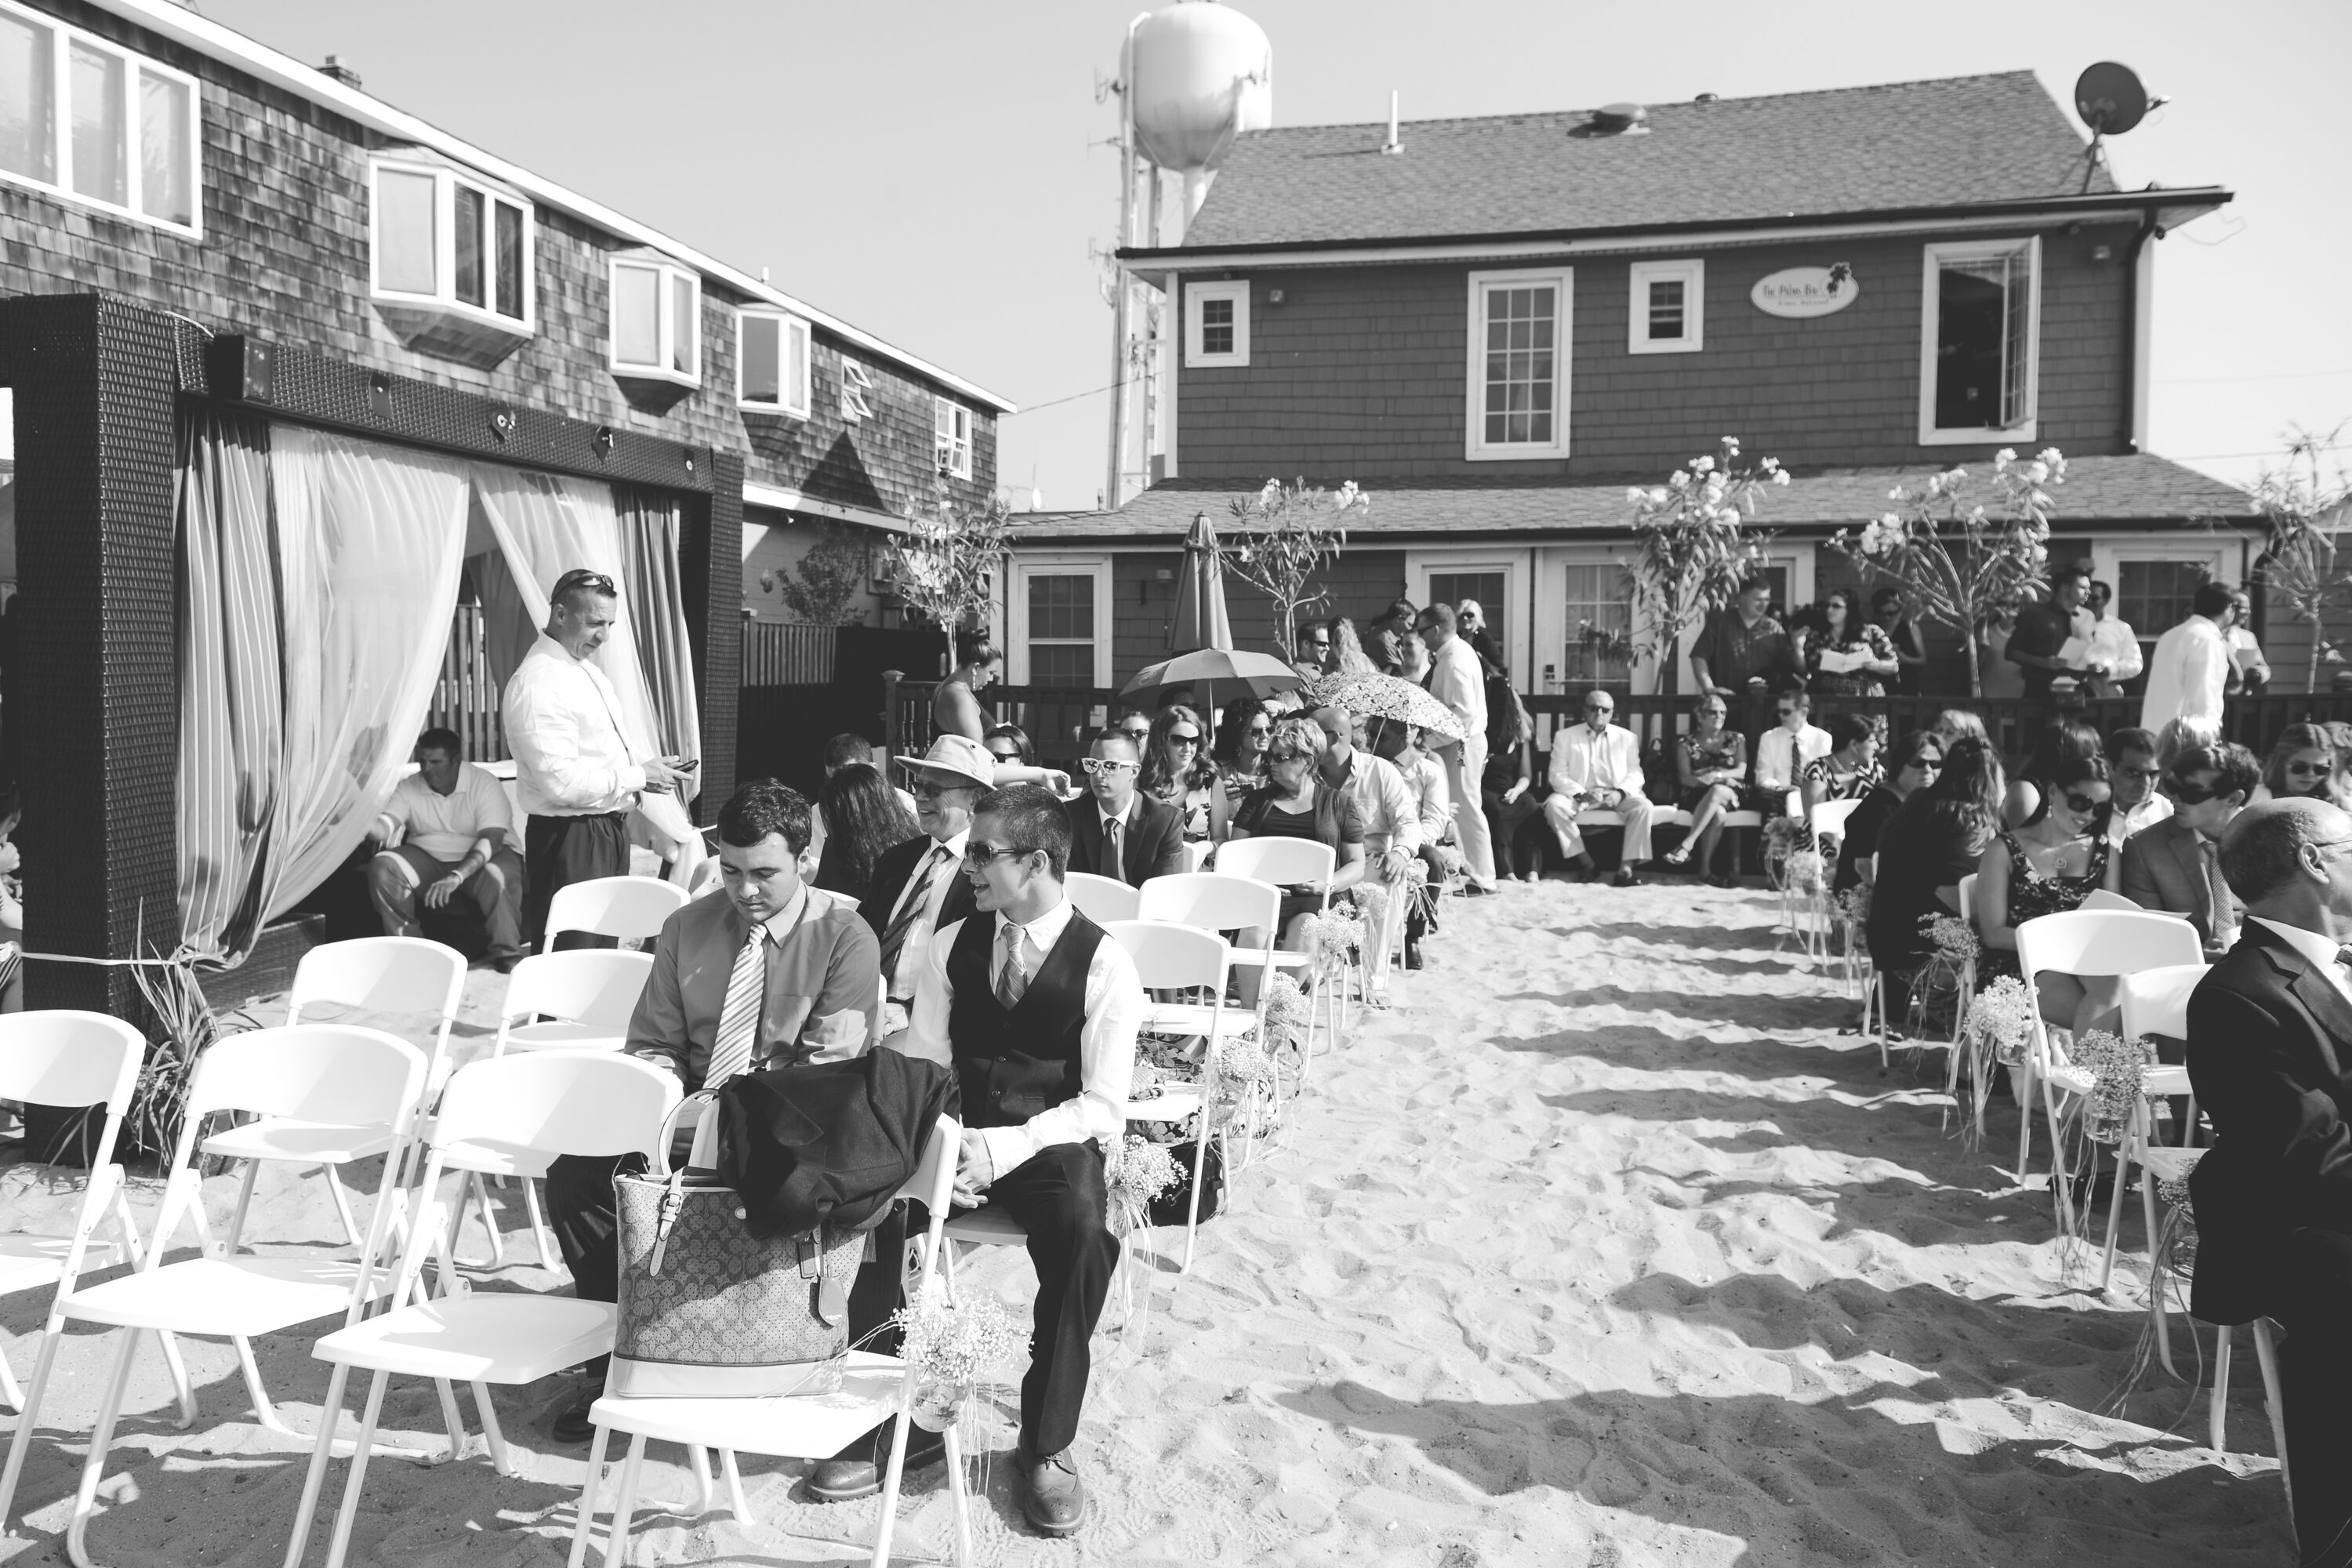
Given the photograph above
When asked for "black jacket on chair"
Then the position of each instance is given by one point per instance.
(1153, 842)
(828, 1142)
(890, 874)
(2269, 1040)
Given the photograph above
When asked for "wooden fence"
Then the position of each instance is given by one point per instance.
(779, 653)
(466, 698)
(1056, 719)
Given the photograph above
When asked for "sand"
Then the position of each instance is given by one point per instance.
(1604, 1247)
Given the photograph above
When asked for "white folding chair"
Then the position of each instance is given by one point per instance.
(314, 1073)
(2095, 943)
(1222, 901)
(1101, 898)
(581, 998)
(71, 1059)
(2100, 899)
(629, 908)
(813, 1427)
(1289, 862)
(1174, 958)
(381, 974)
(2154, 1002)
(537, 1106)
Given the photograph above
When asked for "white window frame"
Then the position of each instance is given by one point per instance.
(1475, 447)
(2108, 554)
(1692, 275)
(1016, 624)
(1421, 566)
(667, 275)
(854, 385)
(792, 347)
(445, 246)
(1235, 289)
(1932, 259)
(952, 433)
(63, 36)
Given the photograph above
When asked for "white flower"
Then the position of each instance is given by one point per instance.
(1635, 496)
(1770, 465)
(1897, 494)
(1703, 465)
(2003, 458)
(1780, 476)
(2037, 472)
(1731, 445)
(1728, 516)
(1714, 488)
(1679, 478)
(1658, 496)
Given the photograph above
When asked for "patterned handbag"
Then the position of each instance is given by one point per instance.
(710, 1310)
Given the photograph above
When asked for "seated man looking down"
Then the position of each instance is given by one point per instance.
(1035, 1011)
(2175, 866)
(767, 972)
(1597, 765)
(457, 826)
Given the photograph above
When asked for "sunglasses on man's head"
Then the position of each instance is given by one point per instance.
(594, 580)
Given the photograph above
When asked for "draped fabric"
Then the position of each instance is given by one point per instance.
(319, 576)
(649, 524)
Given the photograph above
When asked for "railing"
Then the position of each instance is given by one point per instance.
(779, 653)
(466, 696)
(1056, 719)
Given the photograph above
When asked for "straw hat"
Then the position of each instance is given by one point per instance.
(960, 758)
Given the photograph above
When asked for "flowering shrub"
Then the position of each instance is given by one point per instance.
(1692, 548)
(1281, 540)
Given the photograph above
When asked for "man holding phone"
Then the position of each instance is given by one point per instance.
(576, 771)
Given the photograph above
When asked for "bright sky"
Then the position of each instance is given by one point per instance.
(935, 174)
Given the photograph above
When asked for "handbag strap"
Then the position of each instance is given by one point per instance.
(706, 1133)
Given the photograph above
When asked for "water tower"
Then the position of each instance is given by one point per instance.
(1193, 77)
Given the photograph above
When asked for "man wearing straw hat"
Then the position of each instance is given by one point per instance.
(918, 885)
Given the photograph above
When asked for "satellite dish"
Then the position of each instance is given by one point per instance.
(2110, 98)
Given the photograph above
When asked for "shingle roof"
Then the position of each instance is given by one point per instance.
(1960, 141)
(2099, 493)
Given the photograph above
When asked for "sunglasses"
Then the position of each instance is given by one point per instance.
(1788, 712)
(1139, 734)
(2189, 793)
(1319, 644)
(1598, 708)
(930, 789)
(2144, 776)
(986, 855)
(2306, 767)
(1261, 730)
(1007, 755)
(1926, 765)
(2082, 805)
(1185, 737)
(1108, 765)
(595, 580)
(1289, 756)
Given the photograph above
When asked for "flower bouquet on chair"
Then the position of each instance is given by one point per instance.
(1999, 1033)
(954, 1345)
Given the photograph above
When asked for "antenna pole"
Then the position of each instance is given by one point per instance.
(2091, 160)
(1391, 144)
(1113, 490)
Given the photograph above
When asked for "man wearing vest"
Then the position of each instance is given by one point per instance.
(1035, 1011)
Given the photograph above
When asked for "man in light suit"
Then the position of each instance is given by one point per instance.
(1148, 835)
(2270, 1055)
(1597, 765)
(919, 886)
(2175, 864)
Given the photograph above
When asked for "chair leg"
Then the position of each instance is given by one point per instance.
(697, 1462)
(624, 1507)
(450, 1418)
(101, 1437)
(489, 1220)
(2116, 1202)
(735, 1499)
(1192, 1210)
(587, 1511)
(547, 1249)
(2217, 1417)
(961, 1497)
(10, 1394)
(306, 1512)
(2021, 1082)
(502, 1460)
(2266, 1352)
(132, 1251)
(2157, 1310)
(2060, 1175)
(28, 1417)
(351, 1232)
(893, 1471)
(356, 1477)
(244, 1201)
(266, 1412)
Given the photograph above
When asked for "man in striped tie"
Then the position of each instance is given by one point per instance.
(770, 972)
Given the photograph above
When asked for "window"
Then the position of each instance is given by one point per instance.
(1600, 625)
(1060, 622)
(771, 364)
(2154, 597)
(1518, 365)
(1491, 589)
(854, 385)
(1667, 312)
(448, 242)
(953, 422)
(85, 120)
(656, 321)
(1979, 343)
(1216, 322)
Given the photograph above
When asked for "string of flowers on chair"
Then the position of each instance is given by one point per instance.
(1999, 1032)
(2116, 1066)
(1331, 934)
(955, 1345)
(1137, 1172)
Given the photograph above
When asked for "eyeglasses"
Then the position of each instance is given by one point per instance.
(1288, 754)
(930, 789)
(2306, 767)
(985, 855)
(2188, 794)
(1185, 737)
(1261, 730)
(1008, 754)
(2083, 805)
(1108, 766)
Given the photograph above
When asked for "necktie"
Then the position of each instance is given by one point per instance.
(1010, 981)
(2223, 920)
(894, 940)
(1116, 867)
(739, 1019)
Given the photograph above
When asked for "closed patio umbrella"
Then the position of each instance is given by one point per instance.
(1200, 637)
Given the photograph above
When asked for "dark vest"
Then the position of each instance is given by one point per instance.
(1011, 1064)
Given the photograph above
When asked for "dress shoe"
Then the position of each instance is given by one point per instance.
(1624, 878)
(572, 1425)
(856, 1470)
(1053, 1499)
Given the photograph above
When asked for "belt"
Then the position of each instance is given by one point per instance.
(581, 815)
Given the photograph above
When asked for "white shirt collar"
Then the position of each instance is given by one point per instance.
(1124, 815)
(2320, 949)
(1043, 931)
(955, 846)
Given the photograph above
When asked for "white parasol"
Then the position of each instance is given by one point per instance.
(1371, 695)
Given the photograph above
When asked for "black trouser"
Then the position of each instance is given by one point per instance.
(2316, 1379)
(560, 850)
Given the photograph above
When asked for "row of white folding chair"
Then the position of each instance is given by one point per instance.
(630, 908)
(1296, 862)
(68, 1060)
(314, 1073)
(2154, 1002)
(1222, 901)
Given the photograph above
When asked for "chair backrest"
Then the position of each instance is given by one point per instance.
(314, 1072)
(1213, 900)
(1168, 957)
(1281, 861)
(1101, 898)
(592, 1104)
(1969, 898)
(65, 1058)
(582, 985)
(934, 1178)
(381, 973)
(2156, 1001)
(2100, 899)
(1830, 816)
(2105, 942)
(624, 907)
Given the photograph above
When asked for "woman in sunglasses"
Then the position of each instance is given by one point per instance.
(1712, 767)
(1178, 770)
(2305, 763)
(1295, 804)
(2048, 868)
(1242, 737)
(1009, 744)
(1918, 759)
(2059, 741)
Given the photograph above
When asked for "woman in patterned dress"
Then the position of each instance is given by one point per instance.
(1848, 771)
(1711, 764)
(1849, 633)
(2049, 867)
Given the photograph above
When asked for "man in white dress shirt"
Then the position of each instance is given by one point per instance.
(1035, 1009)
(1782, 751)
(454, 826)
(2113, 645)
(1456, 680)
(1389, 810)
(576, 773)
(1597, 765)
(2189, 670)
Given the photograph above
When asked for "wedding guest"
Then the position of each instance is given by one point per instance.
(1935, 837)
(1470, 618)
(1297, 804)
(918, 887)
(1314, 645)
(2043, 628)
(1913, 766)
(2175, 866)
(1394, 622)
(1400, 744)
(845, 750)
(1711, 765)
(1849, 771)
(455, 828)
(1957, 723)
(1456, 680)
(1782, 751)
(2249, 672)
(1597, 765)
(2053, 744)
(2139, 804)
(2184, 735)
(1845, 634)
(2305, 763)
(1743, 649)
(2191, 667)
(1242, 737)
(1904, 635)
(1387, 810)
(2113, 642)
(1177, 772)
(955, 702)
(1507, 800)
(864, 820)
(2047, 867)
(2274, 1197)
(1118, 831)
(1011, 743)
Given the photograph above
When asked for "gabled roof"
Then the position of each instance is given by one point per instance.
(1958, 141)
(2099, 493)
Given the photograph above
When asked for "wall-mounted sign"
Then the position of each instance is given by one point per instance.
(1798, 292)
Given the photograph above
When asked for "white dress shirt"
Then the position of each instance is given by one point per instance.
(2121, 825)
(1456, 680)
(1106, 1041)
(1586, 763)
(2186, 675)
(562, 721)
(1384, 802)
(1426, 779)
(2320, 949)
(2111, 644)
(446, 827)
(1780, 756)
(918, 937)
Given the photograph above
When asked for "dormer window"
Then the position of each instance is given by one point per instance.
(854, 385)
(952, 425)
(450, 259)
(84, 119)
(771, 364)
(656, 321)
